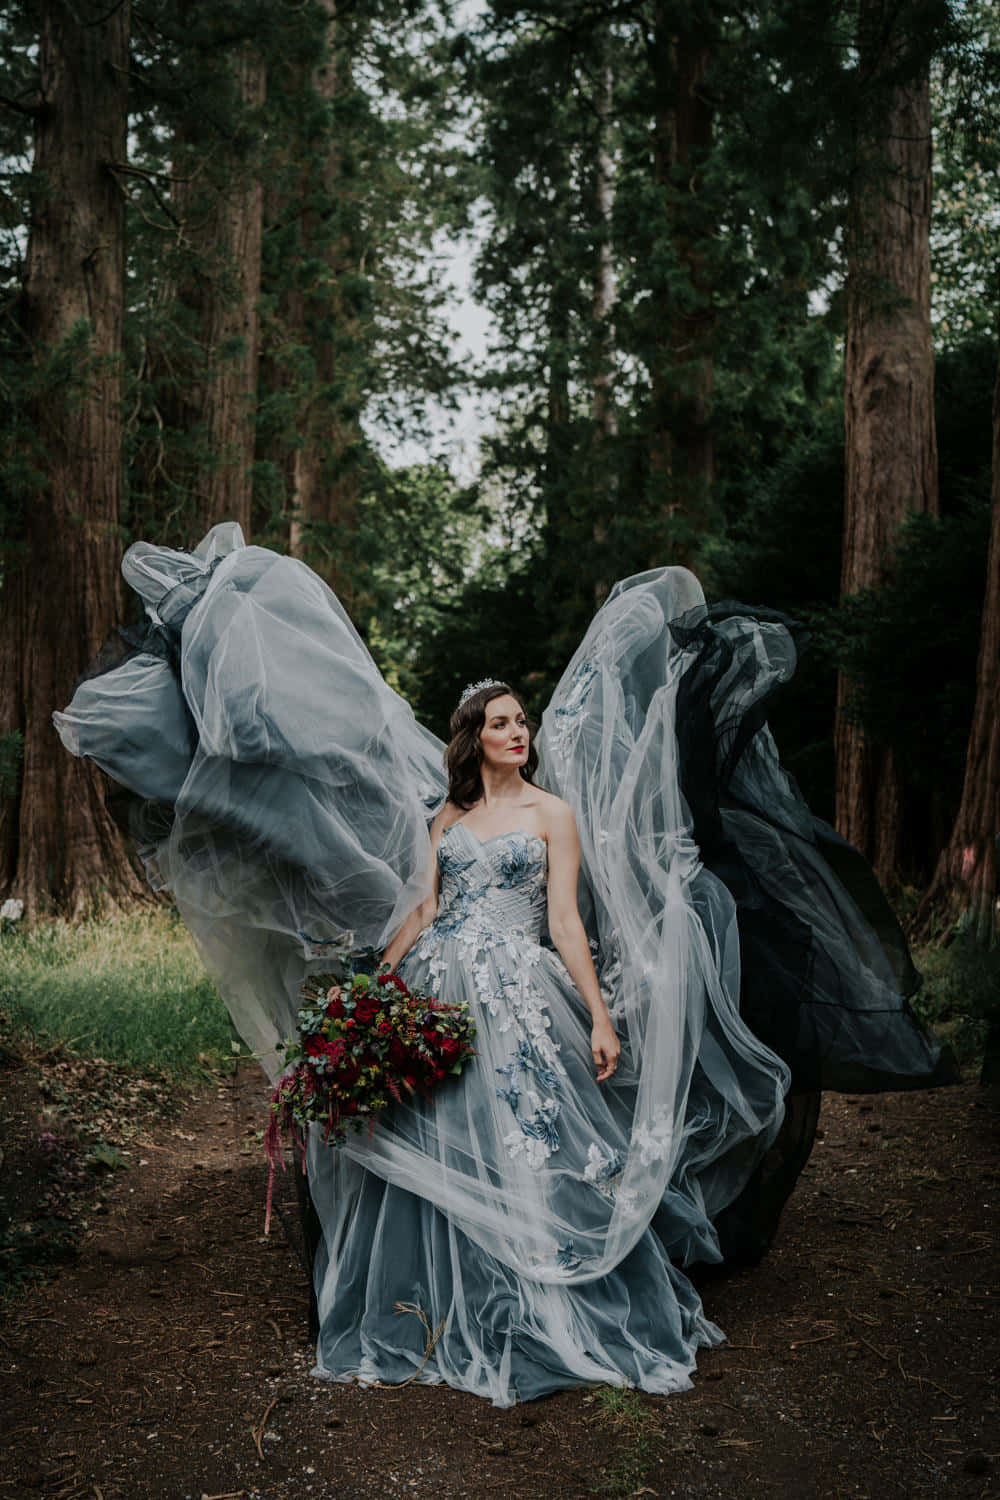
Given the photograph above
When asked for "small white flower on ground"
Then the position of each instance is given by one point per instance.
(11, 910)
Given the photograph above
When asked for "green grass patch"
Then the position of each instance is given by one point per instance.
(622, 1409)
(131, 990)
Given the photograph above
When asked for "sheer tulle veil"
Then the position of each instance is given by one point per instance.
(282, 793)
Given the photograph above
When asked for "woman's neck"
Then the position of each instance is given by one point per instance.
(501, 785)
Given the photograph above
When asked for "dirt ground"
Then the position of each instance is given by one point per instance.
(171, 1357)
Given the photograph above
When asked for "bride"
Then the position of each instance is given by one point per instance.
(665, 954)
(491, 763)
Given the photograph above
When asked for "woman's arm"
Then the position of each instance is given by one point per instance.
(423, 915)
(567, 932)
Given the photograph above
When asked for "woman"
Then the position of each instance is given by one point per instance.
(491, 1211)
(491, 763)
(531, 1224)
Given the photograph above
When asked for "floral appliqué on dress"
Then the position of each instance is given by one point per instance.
(492, 897)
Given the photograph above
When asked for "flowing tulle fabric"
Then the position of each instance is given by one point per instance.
(283, 792)
(280, 783)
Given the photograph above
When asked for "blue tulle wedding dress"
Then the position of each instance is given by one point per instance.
(534, 1222)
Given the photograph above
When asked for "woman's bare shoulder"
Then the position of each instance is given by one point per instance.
(558, 814)
(447, 813)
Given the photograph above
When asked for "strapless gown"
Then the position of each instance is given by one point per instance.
(529, 1128)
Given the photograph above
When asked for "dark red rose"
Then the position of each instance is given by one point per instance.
(350, 1023)
(335, 1005)
(317, 1046)
(384, 1028)
(397, 1052)
(366, 1008)
(450, 1048)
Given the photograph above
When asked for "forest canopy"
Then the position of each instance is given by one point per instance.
(740, 269)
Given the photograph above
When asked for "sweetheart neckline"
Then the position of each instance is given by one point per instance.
(483, 843)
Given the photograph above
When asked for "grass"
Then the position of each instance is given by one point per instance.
(622, 1409)
(130, 989)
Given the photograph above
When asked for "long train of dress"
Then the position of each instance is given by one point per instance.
(281, 791)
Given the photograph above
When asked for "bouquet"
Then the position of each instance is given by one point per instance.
(362, 1041)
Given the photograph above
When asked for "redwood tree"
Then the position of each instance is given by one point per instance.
(218, 200)
(965, 881)
(891, 446)
(681, 459)
(322, 482)
(60, 598)
(604, 415)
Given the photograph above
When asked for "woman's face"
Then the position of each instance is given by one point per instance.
(504, 735)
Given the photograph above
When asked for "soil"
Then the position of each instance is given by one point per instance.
(172, 1357)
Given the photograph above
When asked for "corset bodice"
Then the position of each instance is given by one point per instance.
(496, 887)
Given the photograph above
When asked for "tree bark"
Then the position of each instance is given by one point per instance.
(891, 444)
(219, 202)
(59, 848)
(325, 478)
(681, 452)
(965, 880)
(603, 412)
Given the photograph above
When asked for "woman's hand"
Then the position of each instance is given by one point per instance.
(605, 1047)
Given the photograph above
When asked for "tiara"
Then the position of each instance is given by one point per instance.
(477, 687)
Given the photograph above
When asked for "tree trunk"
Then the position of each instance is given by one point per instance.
(59, 848)
(891, 445)
(605, 417)
(322, 476)
(219, 200)
(681, 456)
(558, 457)
(965, 881)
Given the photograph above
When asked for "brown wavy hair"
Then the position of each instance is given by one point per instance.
(464, 755)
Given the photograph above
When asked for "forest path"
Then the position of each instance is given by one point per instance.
(859, 1364)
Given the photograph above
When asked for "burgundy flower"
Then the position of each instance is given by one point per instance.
(317, 1046)
(344, 1082)
(366, 1008)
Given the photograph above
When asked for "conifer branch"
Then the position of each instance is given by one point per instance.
(124, 169)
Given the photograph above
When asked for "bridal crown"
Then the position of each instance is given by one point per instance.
(477, 687)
